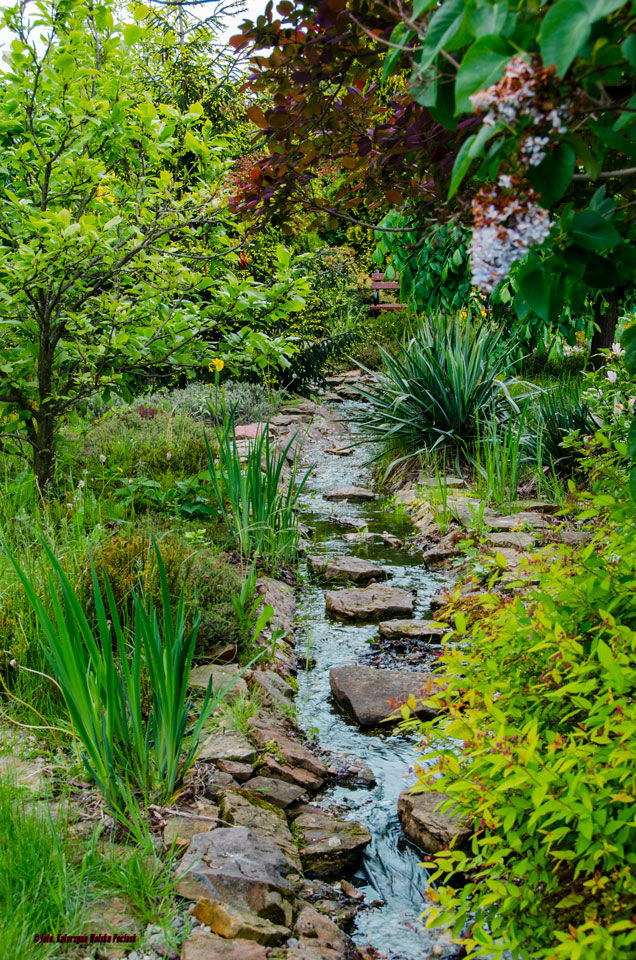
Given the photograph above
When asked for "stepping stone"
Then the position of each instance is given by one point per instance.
(349, 494)
(276, 792)
(428, 828)
(329, 846)
(273, 739)
(347, 569)
(352, 523)
(412, 630)
(270, 766)
(362, 537)
(371, 695)
(221, 675)
(239, 866)
(391, 541)
(369, 603)
(518, 540)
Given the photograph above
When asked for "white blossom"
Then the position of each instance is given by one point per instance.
(506, 226)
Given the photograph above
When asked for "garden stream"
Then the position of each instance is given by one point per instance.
(390, 874)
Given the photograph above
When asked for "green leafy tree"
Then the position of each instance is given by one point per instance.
(111, 264)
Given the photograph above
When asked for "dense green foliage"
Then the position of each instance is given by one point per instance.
(539, 703)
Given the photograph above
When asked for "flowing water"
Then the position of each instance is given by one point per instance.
(390, 871)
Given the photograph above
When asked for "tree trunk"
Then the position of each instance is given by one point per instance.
(605, 318)
(44, 449)
(46, 414)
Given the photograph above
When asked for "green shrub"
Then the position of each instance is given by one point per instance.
(252, 402)
(209, 582)
(145, 441)
(536, 746)
(435, 389)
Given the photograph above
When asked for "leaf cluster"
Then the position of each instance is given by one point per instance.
(536, 748)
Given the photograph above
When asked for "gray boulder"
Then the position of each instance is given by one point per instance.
(369, 603)
(371, 695)
(428, 828)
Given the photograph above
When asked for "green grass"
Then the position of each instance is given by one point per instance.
(43, 887)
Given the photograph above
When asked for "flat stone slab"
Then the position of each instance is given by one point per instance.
(294, 754)
(277, 792)
(428, 828)
(516, 539)
(242, 809)
(412, 630)
(203, 945)
(369, 603)
(347, 569)
(230, 921)
(351, 494)
(227, 746)
(239, 866)
(222, 674)
(371, 695)
(448, 482)
(249, 431)
(349, 523)
(517, 521)
(330, 846)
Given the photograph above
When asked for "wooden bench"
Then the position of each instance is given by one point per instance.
(379, 283)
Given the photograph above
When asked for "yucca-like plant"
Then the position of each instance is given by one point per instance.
(130, 747)
(434, 389)
(558, 413)
(255, 501)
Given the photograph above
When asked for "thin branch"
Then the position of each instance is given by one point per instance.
(606, 174)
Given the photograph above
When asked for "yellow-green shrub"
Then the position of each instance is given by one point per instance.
(537, 748)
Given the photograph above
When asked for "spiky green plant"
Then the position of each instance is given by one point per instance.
(434, 389)
(254, 498)
(129, 748)
(559, 413)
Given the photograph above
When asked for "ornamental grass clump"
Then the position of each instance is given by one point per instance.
(560, 414)
(436, 388)
(256, 500)
(126, 691)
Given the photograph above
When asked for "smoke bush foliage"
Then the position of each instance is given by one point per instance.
(539, 707)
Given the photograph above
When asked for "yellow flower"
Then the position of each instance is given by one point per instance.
(218, 364)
